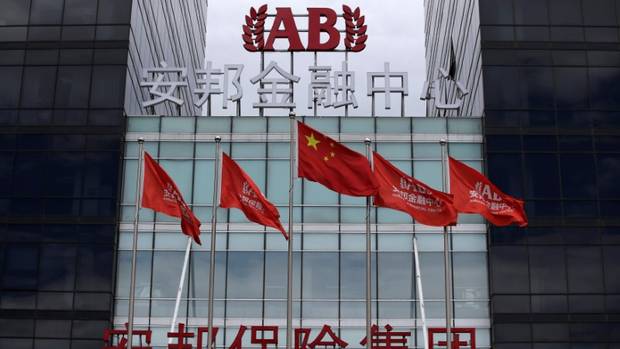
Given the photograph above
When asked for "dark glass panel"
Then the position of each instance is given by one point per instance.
(565, 12)
(552, 332)
(38, 87)
(498, 94)
(588, 332)
(585, 269)
(535, 87)
(505, 172)
(108, 86)
(604, 88)
(100, 174)
(539, 143)
(10, 87)
(46, 12)
(530, 12)
(114, 11)
(27, 169)
(494, 12)
(503, 143)
(602, 35)
(589, 304)
(528, 33)
(20, 267)
(67, 168)
(6, 172)
(608, 167)
(73, 87)
(86, 329)
(93, 301)
(599, 12)
(571, 87)
(16, 328)
(578, 176)
(547, 269)
(612, 265)
(511, 304)
(575, 143)
(549, 304)
(509, 270)
(14, 12)
(53, 328)
(57, 270)
(512, 332)
(80, 11)
(541, 176)
(95, 265)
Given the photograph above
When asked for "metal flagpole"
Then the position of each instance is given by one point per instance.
(216, 199)
(177, 302)
(368, 261)
(289, 293)
(446, 250)
(134, 248)
(418, 279)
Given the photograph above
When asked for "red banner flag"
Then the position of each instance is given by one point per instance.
(161, 194)
(239, 191)
(474, 193)
(323, 160)
(401, 192)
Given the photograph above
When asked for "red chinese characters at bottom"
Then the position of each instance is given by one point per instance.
(267, 337)
(457, 338)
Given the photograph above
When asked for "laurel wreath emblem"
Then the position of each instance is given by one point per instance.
(254, 29)
(356, 30)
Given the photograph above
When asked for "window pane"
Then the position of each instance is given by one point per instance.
(245, 275)
(320, 275)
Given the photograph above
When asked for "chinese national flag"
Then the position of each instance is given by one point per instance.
(161, 194)
(323, 160)
(474, 193)
(401, 192)
(239, 191)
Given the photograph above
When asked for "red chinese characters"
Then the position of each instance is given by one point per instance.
(458, 340)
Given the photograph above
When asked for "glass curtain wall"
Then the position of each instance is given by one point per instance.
(329, 254)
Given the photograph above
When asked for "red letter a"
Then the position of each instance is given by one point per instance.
(284, 15)
(315, 28)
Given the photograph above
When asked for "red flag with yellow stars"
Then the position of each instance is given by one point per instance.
(323, 160)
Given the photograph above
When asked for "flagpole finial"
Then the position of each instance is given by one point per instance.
(292, 115)
(140, 139)
(218, 139)
(443, 141)
(367, 140)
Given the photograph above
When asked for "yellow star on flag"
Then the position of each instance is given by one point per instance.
(312, 142)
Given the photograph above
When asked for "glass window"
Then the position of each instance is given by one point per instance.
(566, 12)
(432, 270)
(603, 88)
(530, 12)
(9, 89)
(94, 271)
(470, 276)
(45, 12)
(57, 273)
(578, 176)
(80, 11)
(114, 11)
(428, 172)
(38, 87)
(608, 168)
(585, 272)
(493, 12)
(20, 266)
(394, 150)
(505, 172)
(509, 269)
(599, 12)
(541, 183)
(547, 269)
(549, 304)
(14, 12)
(320, 278)
(107, 86)
(395, 280)
(245, 275)
(571, 87)
(499, 95)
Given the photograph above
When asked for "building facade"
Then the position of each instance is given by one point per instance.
(550, 106)
(64, 67)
